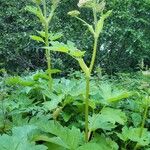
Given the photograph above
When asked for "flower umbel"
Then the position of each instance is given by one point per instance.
(83, 2)
(74, 13)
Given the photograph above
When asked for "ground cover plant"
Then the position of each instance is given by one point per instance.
(86, 109)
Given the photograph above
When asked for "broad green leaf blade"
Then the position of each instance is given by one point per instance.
(97, 122)
(107, 119)
(59, 47)
(66, 48)
(119, 95)
(41, 33)
(77, 53)
(100, 23)
(53, 71)
(57, 141)
(99, 143)
(40, 75)
(53, 103)
(16, 143)
(31, 9)
(73, 51)
(124, 135)
(53, 146)
(20, 139)
(65, 137)
(133, 134)
(90, 146)
(55, 36)
(37, 38)
(113, 115)
(23, 131)
(106, 143)
(136, 119)
(16, 80)
(37, 12)
(111, 94)
(52, 36)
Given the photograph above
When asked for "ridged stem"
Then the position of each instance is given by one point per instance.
(88, 79)
(87, 108)
(142, 125)
(94, 54)
(48, 55)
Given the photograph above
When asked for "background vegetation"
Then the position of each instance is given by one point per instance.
(74, 110)
(125, 39)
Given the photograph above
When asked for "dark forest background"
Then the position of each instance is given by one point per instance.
(123, 43)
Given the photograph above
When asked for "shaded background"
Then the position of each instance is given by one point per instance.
(123, 43)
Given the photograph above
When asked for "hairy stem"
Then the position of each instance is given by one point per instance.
(87, 107)
(48, 57)
(88, 79)
(94, 54)
(44, 8)
(144, 120)
(95, 13)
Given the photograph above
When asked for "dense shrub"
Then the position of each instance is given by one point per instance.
(125, 39)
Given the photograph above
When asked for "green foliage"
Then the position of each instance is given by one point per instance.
(19, 140)
(109, 95)
(68, 48)
(133, 135)
(124, 42)
(33, 112)
(105, 120)
(39, 113)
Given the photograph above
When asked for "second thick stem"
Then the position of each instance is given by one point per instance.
(94, 54)
(87, 107)
(142, 125)
(88, 89)
(48, 57)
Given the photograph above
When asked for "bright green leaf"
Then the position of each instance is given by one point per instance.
(37, 38)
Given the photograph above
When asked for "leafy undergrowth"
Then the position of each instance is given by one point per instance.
(33, 117)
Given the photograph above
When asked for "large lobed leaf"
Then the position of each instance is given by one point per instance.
(133, 134)
(69, 48)
(107, 119)
(19, 140)
(109, 94)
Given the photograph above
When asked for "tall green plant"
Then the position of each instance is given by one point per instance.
(95, 29)
(70, 48)
(45, 16)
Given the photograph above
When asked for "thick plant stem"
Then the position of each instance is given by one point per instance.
(89, 70)
(45, 9)
(88, 90)
(95, 14)
(94, 54)
(142, 125)
(87, 107)
(48, 57)
(143, 121)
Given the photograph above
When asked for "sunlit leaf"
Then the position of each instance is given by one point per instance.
(20, 140)
(37, 38)
(133, 134)
(36, 11)
(107, 119)
(55, 36)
